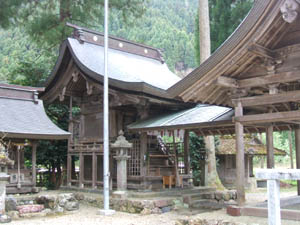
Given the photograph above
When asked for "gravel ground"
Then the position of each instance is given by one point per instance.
(89, 215)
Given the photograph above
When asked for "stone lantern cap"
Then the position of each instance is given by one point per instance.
(121, 142)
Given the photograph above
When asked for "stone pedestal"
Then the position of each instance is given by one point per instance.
(121, 146)
(122, 158)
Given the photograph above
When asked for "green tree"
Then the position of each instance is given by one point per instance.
(44, 21)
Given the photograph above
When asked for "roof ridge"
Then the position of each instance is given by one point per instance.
(86, 35)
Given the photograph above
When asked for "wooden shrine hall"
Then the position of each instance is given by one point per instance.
(23, 122)
(257, 72)
(138, 80)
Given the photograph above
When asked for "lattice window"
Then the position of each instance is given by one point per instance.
(134, 163)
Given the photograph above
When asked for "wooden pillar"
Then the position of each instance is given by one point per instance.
(34, 146)
(19, 169)
(297, 142)
(251, 174)
(81, 170)
(176, 160)
(187, 152)
(69, 169)
(143, 150)
(94, 171)
(291, 148)
(270, 147)
(70, 141)
(240, 157)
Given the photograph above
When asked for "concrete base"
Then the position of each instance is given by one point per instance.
(120, 194)
(104, 212)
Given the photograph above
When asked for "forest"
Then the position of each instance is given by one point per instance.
(31, 32)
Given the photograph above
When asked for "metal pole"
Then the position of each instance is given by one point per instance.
(106, 115)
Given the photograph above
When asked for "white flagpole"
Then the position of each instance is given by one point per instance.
(106, 210)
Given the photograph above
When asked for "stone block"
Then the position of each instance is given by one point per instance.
(10, 204)
(166, 209)
(79, 196)
(48, 201)
(187, 199)
(233, 211)
(226, 196)
(13, 214)
(162, 203)
(218, 195)
(5, 219)
(71, 206)
(29, 208)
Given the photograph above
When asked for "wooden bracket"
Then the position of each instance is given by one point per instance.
(89, 87)
(75, 76)
(62, 94)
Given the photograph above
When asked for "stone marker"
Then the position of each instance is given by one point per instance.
(4, 177)
(121, 146)
(274, 176)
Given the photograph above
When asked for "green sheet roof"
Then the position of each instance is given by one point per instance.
(196, 115)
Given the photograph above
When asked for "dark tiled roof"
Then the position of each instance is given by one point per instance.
(22, 116)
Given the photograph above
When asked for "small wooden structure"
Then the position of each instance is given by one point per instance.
(138, 79)
(23, 122)
(226, 156)
(256, 72)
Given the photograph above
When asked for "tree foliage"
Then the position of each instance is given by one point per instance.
(44, 21)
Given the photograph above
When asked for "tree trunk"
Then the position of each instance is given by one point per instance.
(205, 50)
(204, 30)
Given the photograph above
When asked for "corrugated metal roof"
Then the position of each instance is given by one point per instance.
(27, 120)
(198, 114)
(124, 66)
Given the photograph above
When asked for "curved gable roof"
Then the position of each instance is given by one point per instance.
(232, 56)
(132, 67)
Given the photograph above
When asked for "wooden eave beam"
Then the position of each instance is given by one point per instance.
(268, 99)
(268, 117)
(262, 51)
(283, 77)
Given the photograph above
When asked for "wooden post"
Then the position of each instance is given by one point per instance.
(270, 147)
(81, 170)
(176, 160)
(240, 157)
(143, 151)
(297, 142)
(291, 148)
(69, 169)
(34, 146)
(251, 174)
(187, 152)
(19, 169)
(94, 171)
(70, 141)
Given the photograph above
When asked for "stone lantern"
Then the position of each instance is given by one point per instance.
(4, 178)
(121, 146)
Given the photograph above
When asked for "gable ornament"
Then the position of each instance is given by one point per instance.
(290, 10)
